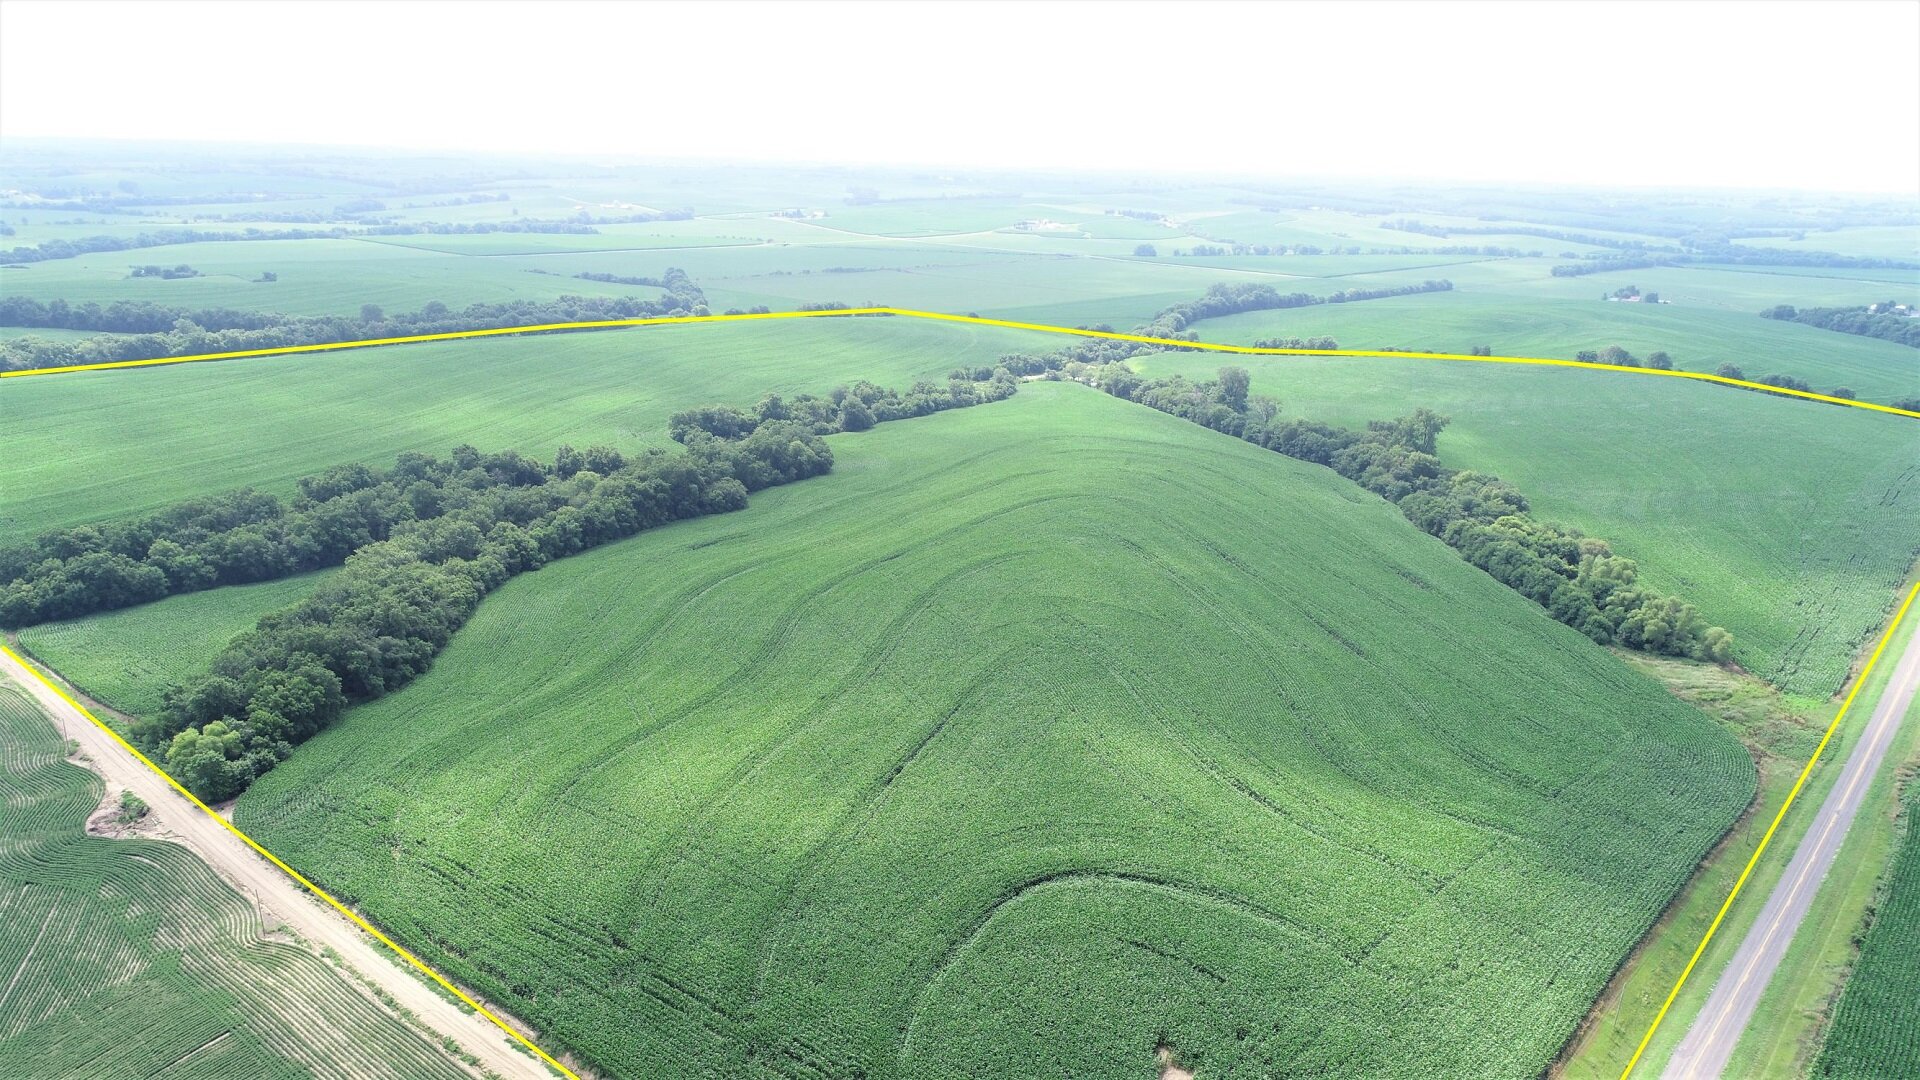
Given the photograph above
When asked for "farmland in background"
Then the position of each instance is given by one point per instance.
(1170, 724)
(1789, 523)
(110, 444)
(130, 958)
(853, 779)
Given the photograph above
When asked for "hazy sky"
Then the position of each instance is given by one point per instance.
(1821, 96)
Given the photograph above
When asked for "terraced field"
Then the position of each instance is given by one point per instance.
(130, 958)
(1036, 737)
(127, 658)
(1789, 523)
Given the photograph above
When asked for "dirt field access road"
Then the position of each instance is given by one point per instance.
(278, 897)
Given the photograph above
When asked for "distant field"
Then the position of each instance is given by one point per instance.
(1747, 290)
(1890, 241)
(110, 444)
(316, 277)
(127, 658)
(1697, 339)
(1035, 735)
(1788, 523)
(130, 958)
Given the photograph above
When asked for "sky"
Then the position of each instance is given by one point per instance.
(1822, 96)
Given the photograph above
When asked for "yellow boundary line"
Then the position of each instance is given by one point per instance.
(1250, 350)
(1206, 346)
(291, 872)
(1792, 794)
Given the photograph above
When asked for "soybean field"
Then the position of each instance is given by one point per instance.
(130, 958)
(1876, 1026)
(1790, 523)
(1034, 739)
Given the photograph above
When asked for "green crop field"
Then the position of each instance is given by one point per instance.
(1789, 523)
(1876, 1026)
(127, 658)
(1052, 737)
(1697, 339)
(316, 277)
(130, 958)
(106, 444)
(1035, 736)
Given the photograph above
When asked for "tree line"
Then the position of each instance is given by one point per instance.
(847, 408)
(89, 245)
(1520, 229)
(421, 544)
(1234, 247)
(1734, 255)
(1884, 321)
(139, 330)
(1232, 299)
(165, 273)
(1658, 359)
(1576, 578)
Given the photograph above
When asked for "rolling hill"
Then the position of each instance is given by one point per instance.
(1789, 523)
(1037, 737)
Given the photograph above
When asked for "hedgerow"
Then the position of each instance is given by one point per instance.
(421, 544)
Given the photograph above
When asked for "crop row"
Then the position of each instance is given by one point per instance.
(1028, 738)
(130, 957)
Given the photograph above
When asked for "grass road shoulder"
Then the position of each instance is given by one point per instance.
(1782, 731)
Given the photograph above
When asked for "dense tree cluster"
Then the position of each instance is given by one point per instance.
(1521, 229)
(1885, 321)
(1733, 255)
(847, 408)
(1577, 579)
(1224, 299)
(421, 544)
(1748, 255)
(1240, 249)
(1608, 265)
(377, 624)
(88, 245)
(167, 273)
(141, 330)
(621, 279)
(1788, 382)
(1658, 360)
(1295, 343)
(1785, 382)
(246, 536)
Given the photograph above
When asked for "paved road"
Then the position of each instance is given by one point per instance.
(1703, 1054)
(276, 895)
